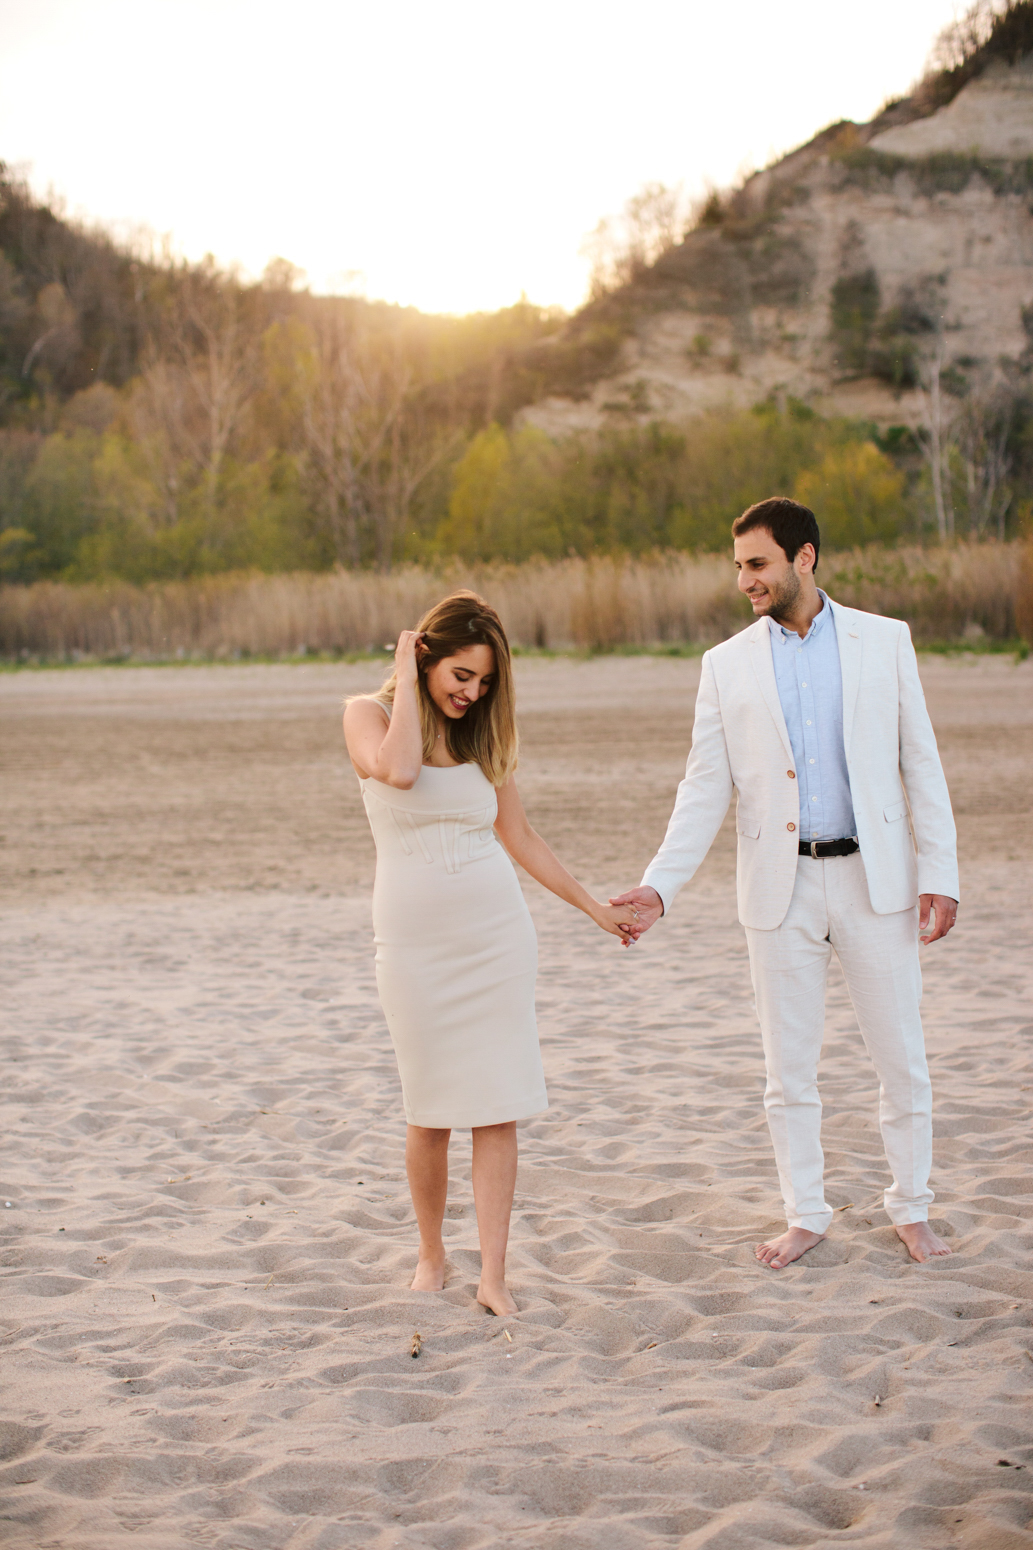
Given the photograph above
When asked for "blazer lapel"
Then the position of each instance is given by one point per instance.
(848, 637)
(764, 668)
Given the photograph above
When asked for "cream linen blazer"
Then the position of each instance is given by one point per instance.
(902, 808)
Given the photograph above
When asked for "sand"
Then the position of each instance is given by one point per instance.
(204, 1313)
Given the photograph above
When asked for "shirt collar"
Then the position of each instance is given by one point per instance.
(818, 623)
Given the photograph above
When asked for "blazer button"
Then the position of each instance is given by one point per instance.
(790, 827)
(791, 774)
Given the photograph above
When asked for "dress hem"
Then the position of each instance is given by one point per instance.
(503, 1114)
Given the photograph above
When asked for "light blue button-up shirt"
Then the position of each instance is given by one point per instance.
(810, 689)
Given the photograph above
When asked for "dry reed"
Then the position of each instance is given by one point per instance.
(594, 604)
(961, 591)
(1024, 593)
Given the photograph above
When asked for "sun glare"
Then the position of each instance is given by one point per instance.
(449, 157)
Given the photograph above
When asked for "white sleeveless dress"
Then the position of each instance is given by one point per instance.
(457, 954)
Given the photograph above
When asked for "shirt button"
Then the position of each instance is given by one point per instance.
(790, 827)
(810, 761)
(803, 686)
(814, 799)
(792, 773)
(808, 723)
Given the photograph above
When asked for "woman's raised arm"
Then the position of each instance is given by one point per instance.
(389, 751)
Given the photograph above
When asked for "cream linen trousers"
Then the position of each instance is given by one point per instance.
(831, 908)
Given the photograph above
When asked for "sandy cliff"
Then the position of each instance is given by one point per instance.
(833, 275)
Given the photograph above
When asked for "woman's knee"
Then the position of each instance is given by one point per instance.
(427, 1135)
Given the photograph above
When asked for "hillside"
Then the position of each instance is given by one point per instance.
(841, 276)
(853, 325)
(159, 418)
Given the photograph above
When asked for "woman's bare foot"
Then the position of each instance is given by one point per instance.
(790, 1245)
(495, 1296)
(921, 1242)
(430, 1272)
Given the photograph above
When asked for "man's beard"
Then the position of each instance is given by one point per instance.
(782, 599)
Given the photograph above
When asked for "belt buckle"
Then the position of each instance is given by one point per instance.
(814, 850)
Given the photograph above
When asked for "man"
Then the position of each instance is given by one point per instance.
(815, 715)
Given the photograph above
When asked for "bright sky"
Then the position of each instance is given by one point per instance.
(453, 153)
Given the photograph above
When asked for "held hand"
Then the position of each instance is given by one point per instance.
(648, 905)
(405, 655)
(944, 911)
(618, 920)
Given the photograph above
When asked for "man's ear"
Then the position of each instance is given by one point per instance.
(807, 554)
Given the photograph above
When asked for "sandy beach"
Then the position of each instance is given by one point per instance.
(205, 1320)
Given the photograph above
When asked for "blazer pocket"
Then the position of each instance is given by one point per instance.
(748, 826)
(894, 811)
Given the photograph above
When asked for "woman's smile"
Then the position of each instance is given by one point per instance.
(459, 702)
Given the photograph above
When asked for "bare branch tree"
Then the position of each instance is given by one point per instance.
(621, 246)
(367, 444)
(201, 373)
(58, 338)
(983, 429)
(344, 423)
(158, 411)
(936, 442)
(222, 374)
(417, 444)
(964, 36)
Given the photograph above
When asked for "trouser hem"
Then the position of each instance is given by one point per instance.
(903, 1216)
(816, 1222)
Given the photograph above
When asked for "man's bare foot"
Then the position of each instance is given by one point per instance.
(921, 1242)
(783, 1250)
(430, 1272)
(495, 1296)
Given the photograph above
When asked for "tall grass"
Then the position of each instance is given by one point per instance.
(594, 604)
(1024, 592)
(950, 593)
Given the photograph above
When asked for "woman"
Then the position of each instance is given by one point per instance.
(435, 752)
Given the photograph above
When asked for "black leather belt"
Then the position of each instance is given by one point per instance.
(820, 850)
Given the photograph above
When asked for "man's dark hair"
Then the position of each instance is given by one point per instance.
(790, 525)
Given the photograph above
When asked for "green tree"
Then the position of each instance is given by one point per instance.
(481, 487)
(59, 504)
(513, 498)
(856, 494)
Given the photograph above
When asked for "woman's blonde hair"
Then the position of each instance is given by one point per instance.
(487, 734)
